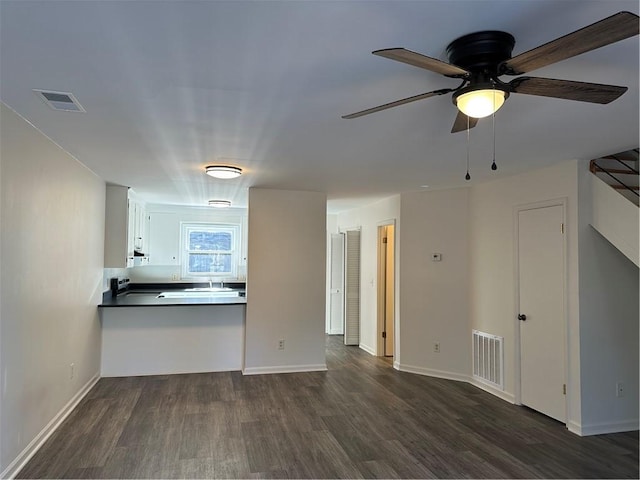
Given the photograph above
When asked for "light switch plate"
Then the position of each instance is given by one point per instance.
(436, 257)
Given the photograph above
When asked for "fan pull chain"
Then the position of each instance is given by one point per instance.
(467, 176)
(494, 167)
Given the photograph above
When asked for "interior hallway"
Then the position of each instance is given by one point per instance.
(360, 419)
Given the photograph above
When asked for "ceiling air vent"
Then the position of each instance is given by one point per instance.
(63, 101)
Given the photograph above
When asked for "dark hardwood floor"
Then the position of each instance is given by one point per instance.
(359, 419)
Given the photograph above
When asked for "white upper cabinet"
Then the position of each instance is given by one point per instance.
(164, 236)
(125, 227)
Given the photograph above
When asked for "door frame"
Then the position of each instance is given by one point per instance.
(562, 202)
(380, 324)
(329, 323)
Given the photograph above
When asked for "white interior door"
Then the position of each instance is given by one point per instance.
(336, 288)
(541, 301)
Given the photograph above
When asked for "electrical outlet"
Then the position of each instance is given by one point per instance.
(619, 389)
(174, 277)
(72, 371)
(436, 347)
(281, 344)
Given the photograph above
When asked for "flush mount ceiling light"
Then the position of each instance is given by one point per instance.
(223, 171)
(219, 203)
(480, 103)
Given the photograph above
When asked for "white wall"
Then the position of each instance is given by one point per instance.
(621, 227)
(164, 239)
(52, 212)
(492, 268)
(285, 281)
(368, 218)
(434, 295)
(608, 326)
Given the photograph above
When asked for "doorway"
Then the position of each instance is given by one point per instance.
(386, 289)
(541, 301)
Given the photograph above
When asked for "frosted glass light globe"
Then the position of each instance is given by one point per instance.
(480, 103)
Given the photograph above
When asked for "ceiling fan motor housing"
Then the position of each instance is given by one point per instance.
(481, 51)
(481, 54)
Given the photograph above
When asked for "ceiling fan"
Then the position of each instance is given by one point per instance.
(480, 58)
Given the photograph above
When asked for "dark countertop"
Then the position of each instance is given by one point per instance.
(147, 297)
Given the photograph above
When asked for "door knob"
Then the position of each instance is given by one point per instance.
(522, 317)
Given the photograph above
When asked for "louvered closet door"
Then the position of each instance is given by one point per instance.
(352, 287)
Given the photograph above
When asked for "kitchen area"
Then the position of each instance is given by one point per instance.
(187, 298)
(174, 297)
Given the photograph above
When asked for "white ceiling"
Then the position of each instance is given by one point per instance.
(170, 87)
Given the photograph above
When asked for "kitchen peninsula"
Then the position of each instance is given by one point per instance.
(190, 330)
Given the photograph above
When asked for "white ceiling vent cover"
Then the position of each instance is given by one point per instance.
(63, 101)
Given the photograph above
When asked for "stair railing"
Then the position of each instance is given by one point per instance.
(594, 167)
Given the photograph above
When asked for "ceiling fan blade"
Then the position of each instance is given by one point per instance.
(610, 30)
(422, 61)
(567, 89)
(398, 103)
(460, 123)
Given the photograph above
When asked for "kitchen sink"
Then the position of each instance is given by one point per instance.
(209, 289)
(201, 293)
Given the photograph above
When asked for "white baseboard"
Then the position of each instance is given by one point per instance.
(321, 367)
(602, 428)
(506, 396)
(30, 450)
(167, 371)
(574, 427)
(368, 349)
(336, 331)
(430, 372)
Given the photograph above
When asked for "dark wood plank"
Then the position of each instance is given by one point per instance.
(360, 419)
(377, 469)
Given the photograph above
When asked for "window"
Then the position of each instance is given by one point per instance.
(209, 250)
